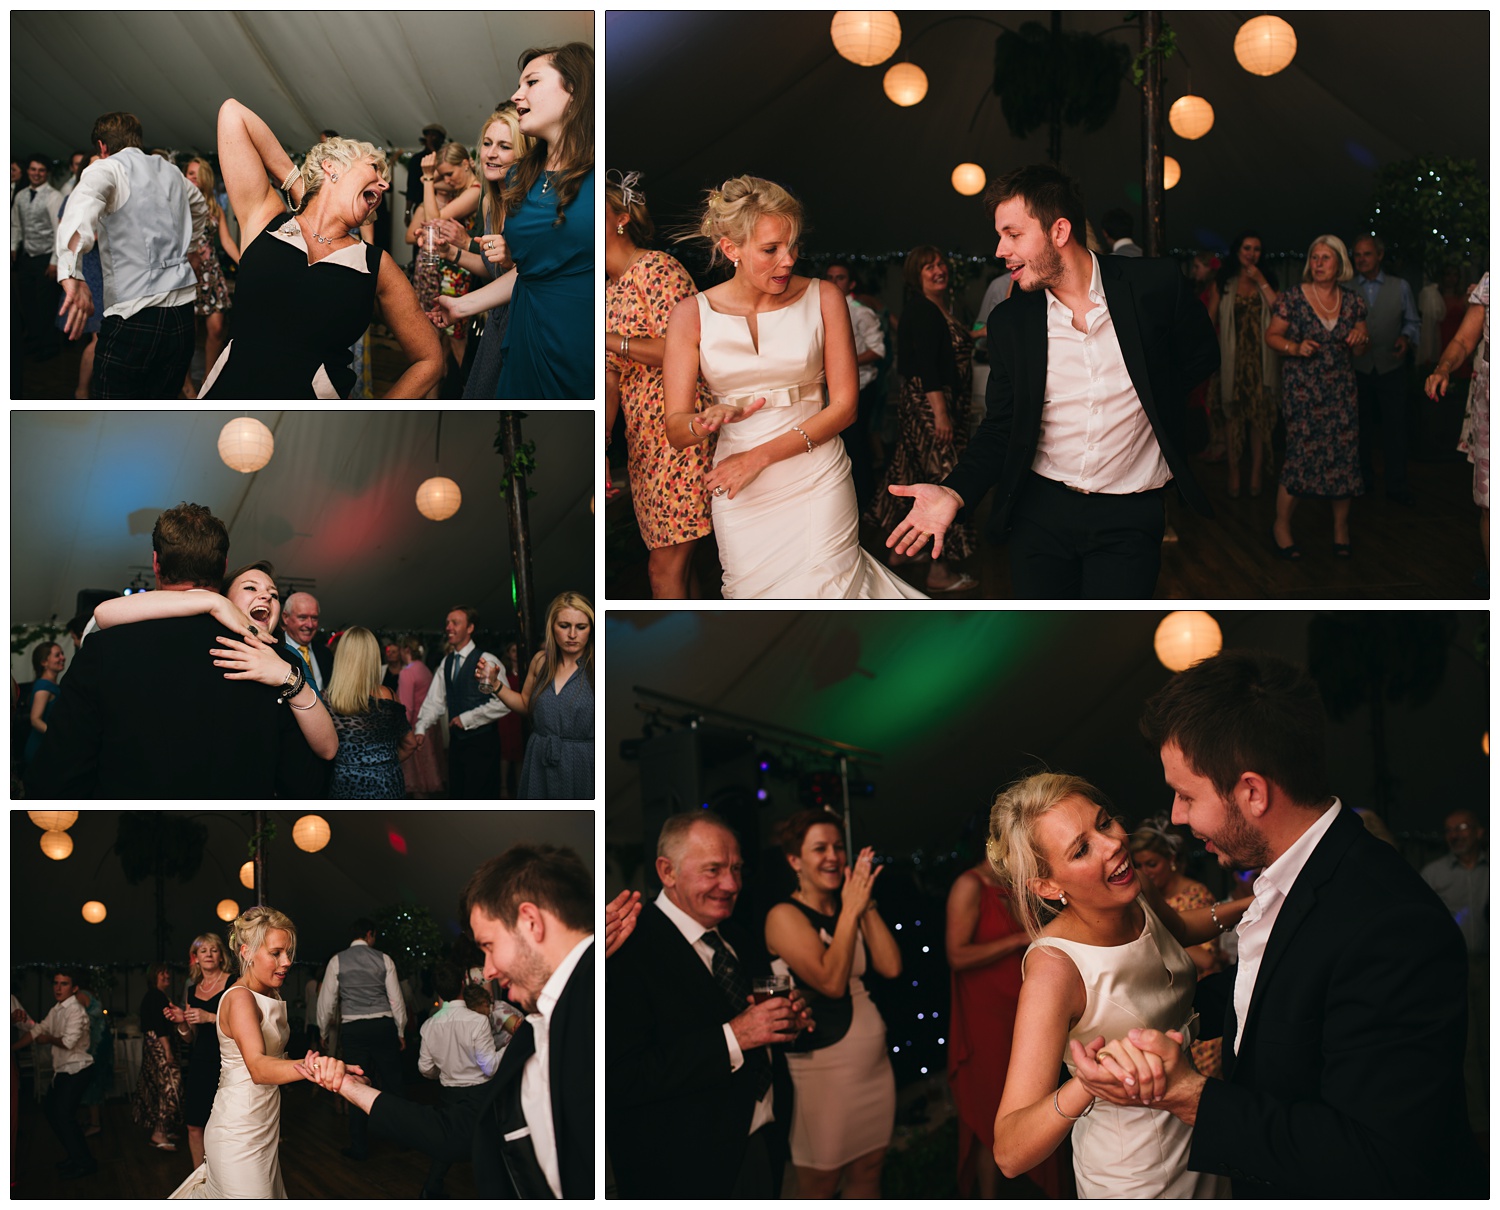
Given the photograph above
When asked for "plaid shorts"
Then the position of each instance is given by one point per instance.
(144, 356)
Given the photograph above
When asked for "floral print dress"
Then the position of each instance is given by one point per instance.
(1474, 439)
(1320, 401)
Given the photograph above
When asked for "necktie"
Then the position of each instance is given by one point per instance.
(736, 988)
(307, 659)
(33, 194)
(452, 677)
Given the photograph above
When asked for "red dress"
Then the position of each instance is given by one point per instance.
(983, 1026)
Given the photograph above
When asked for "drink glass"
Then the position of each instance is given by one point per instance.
(432, 244)
(770, 986)
(488, 675)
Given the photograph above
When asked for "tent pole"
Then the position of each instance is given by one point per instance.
(520, 530)
(848, 823)
(257, 829)
(1153, 136)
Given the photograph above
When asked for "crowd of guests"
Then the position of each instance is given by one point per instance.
(496, 303)
(1327, 361)
(369, 719)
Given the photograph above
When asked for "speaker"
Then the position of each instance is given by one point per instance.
(695, 769)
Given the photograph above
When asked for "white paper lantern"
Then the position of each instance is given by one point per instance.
(866, 38)
(1191, 117)
(1265, 44)
(245, 444)
(247, 875)
(1187, 637)
(438, 498)
(227, 910)
(968, 179)
(57, 845)
(311, 833)
(93, 911)
(1171, 172)
(906, 84)
(53, 821)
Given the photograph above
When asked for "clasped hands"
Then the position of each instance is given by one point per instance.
(1142, 1068)
(772, 1021)
(327, 1072)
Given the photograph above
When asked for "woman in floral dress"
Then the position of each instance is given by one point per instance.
(1472, 337)
(672, 506)
(1318, 330)
(213, 289)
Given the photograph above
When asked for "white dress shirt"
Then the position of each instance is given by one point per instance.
(536, 1076)
(33, 221)
(1254, 929)
(457, 1047)
(328, 997)
(692, 933)
(435, 707)
(1095, 435)
(68, 1021)
(867, 338)
(102, 189)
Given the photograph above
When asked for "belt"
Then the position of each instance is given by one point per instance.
(1083, 491)
(780, 397)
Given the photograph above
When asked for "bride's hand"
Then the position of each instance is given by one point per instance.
(1097, 1080)
(1139, 1070)
(714, 417)
(250, 660)
(732, 475)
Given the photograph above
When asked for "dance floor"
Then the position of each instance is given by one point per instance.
(313, 1134)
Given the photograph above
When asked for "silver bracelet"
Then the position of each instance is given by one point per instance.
(1061, 1114)
(1213, 910)
(797, 428)
(624, 346)
(693, 426)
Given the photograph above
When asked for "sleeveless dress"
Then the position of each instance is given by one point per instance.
(845, 1105)
(33, 736)
(794, 532)
(366, 764)
(1474, 438)
(484, 373)
(1131, 1151)
(295, 323)
(241, 1142)
(549, 344)
(560, 753)
(202, 1080)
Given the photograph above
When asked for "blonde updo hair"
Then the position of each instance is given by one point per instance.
(736, 206)
(1012, 847)
(195, 975)
(250, 932)
(343, 154)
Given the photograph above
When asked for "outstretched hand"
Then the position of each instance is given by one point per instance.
(620, 915)
(328, 1072)
(714, 417)
(932, 512)
(77, 306)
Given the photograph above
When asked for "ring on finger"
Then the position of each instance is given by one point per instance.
(720, 490)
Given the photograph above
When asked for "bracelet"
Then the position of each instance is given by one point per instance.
(309, 705)
(292, 686)
(1213, 910)
(797, 428)
(286, 181)
(1061, 1114)
(624, 346)
(693, 426)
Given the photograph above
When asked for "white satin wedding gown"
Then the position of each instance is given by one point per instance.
(241, 1143)
(794, 532)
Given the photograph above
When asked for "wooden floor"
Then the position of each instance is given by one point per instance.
(1426, 551)
(311, 1166)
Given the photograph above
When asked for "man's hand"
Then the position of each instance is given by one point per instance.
(52, 272)
(401, 1038)
(766, 1024)
(78, 305)
(620, 915)
(1401, 346)
(458, 723)
(932, 512)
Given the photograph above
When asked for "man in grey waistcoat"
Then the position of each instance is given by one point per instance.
(1384, 381)
(361, 983)
(146, 218)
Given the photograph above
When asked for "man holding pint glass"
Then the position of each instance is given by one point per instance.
(696, 1081)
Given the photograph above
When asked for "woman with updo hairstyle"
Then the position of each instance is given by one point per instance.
(157, 1103)
(308, 284)
(1106, 957)
(213, 290)
(450, 168)
(777, 353)
(208, 979)
(935, 357)
(1156, 850)
(666, 483)
(826, 935)
(242, 1140)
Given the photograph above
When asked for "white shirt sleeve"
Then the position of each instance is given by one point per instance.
(15, 224)
(75, 1027)
(102, 189)
(490, 710)
(393, 994)
(435, 705)
(426, 1064)
(867, 334)
(199, 210)
(486, 1057)
(328, 996)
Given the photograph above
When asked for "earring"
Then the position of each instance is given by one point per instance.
(620, 229)
(1064, 899)
(735, 266)
(334, 177)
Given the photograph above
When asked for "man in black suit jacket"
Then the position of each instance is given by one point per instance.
(532, 1134)
(699, 1102)
(144, 712)
(1344, 1039)
(1091, 361)
(299, 621)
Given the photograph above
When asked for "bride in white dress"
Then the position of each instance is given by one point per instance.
(777, 353)
(1109, 958)
(242, 1138)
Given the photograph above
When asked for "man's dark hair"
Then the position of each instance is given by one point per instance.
(39, 159)
(1245, 712)
(1117, 224)
(1049, 195)
(854, 281)
(191, 545)
(362, 928)
(448, 979)
(69, 973)
(550, 876)
(469, 612)
(475, 994)
(117, 131)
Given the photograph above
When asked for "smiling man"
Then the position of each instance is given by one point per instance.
(66, 1029)
(1344, 1040)
(1091, 361)
(473, 715)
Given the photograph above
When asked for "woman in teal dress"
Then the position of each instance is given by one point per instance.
(47, 662)
(547, 234)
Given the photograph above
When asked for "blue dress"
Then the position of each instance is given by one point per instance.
(560, 753)
(549, 346)
(33, 736)
(366, 765)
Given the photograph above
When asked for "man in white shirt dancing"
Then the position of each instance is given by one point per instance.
(473, 737)
(458, 1049)
(66, 1029)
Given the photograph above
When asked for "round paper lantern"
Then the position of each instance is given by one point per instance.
(968, 179)
(1265, 44)
(247, 875)
(866, 38)
(1171, 172)
(227, 910)
(53, 821)
(56, 845)
(906, 84)
(1187, 637)
(311, 833)
(1484, 743)
(245, 444)
(438, 498)
(1191, 117)
(93, 911)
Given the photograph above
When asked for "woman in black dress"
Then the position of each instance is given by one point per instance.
(158, 1093)
(308, 285)
(208, 976)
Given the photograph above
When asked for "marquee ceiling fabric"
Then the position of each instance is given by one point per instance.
(377, 76)
(336, 504)
(696, 97)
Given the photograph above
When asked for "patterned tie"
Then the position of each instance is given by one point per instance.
(736, 988)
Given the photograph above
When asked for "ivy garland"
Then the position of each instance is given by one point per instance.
(521, 466)
(22, 638)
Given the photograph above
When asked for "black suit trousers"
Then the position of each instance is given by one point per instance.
(61, 1108)
(1085, 546)
(474, 762)
(374, 1046)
